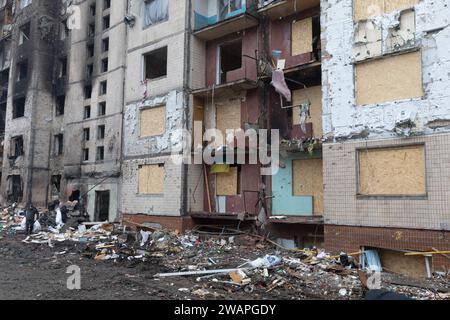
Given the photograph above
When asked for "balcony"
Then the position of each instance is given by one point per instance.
(215, 19)
(275, 9)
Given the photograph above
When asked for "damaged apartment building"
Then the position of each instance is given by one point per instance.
(357, 89)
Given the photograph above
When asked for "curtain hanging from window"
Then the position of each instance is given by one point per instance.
(155, 11)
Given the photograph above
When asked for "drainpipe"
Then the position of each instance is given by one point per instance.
(186, 94)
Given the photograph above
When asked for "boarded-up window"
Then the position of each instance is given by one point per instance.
(314, 96)
(151, 179)
(228, 116)
(364, 9)
(389, 79)
(392, 171)
(153, 121)
(228, 183)
(308, 181)
(302, 36)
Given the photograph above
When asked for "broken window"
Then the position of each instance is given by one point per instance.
(22, 71)
(18, 108)
(155, 64)
(59, 144)
(396, 171)
(104, 65)
(103, 87)
(24, 33)
(100, 153)
(102, 108)
(64, 30)
(16, 147)
(92, 9)
(86, 134)
(87, 112)
(56, 182)
(86, 154)
(2, 117)
(106, 22)
(155, 11)
(101, 132)
(106, 4)
(60, 103)
(151, 179)
(105, 45)
(153, 121)
(14, 188)
(228, 8)
(230, 58)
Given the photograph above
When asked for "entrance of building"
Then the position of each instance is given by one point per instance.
(102, 205)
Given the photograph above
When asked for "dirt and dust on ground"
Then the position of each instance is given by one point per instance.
(121, 263)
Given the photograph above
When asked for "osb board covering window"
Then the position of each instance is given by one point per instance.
(308, 181)
(153, 121)
(364, 9)
(389, 79)
(227, 183)
(228, 116)
(397, 262)
(151, 179)
(314, 95)
(392, 171)
(302, 36)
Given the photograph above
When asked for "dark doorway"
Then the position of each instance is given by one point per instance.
(75, 196)
(14, 189)
(102, 205)
(230, 58)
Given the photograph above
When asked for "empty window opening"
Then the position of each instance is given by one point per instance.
(105, 45)
(60, 103)
(62, 67)
(103, 88)
(90, 70)
(87, 92)
(101, 132)
(102, 108)
(86, 134)
(155, 64)
(91, 30)
(102, 205)
(59, 144)
(22, 71)
(105, 65)
(87, 112)
(155, 11)
(15, 192)
(24, 33)
(90, 50)
(106, 22)
(92, 9)
(18, 108)
(106, 4)
(16, 147)
(64, 30)
(230, 58)
(86, 154)
(100, 153)
(2, 117)
(56, 182)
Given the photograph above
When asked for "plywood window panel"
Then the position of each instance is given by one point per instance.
(302, 36)
(308, 181)
(392, 171)
(227, 184)
(153, 122)
(314, 95)
(228, 116)
(365, 9)
(151, 179)
(389, 79)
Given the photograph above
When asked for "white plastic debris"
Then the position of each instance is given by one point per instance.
(37, 227)
(343, 292)
(266, 262)
(145, 235)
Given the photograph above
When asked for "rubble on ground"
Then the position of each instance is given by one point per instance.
(224, 264)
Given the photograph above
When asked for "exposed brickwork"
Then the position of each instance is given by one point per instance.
(350, 239)
(171, 223)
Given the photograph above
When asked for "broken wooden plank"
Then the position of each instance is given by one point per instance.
(197, 273)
